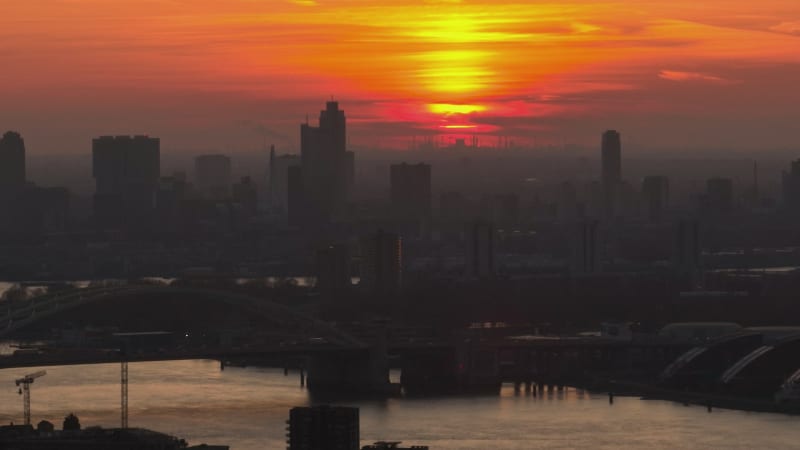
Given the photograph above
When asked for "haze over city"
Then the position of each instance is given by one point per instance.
(676, 75)
(399, 225)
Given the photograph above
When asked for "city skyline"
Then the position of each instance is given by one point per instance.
(203, 76)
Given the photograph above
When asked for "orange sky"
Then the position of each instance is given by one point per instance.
(227, 75)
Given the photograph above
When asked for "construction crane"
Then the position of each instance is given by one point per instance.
(124, 389)
(25, 392)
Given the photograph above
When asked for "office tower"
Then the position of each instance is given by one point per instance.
(686, 250)
(279, 180)
(611, 153)
(480, 257)
(12, 162)
(296, 205)
(503, 209)
(323, 428)
(126, 171)
(333, 268)
(655, 193)
(245, 194)
(791, 188)
(382, 262)
(212, 176)
(323, 154)
(411, 192)
(452, 206)
(171, 199)
(350, 172)
(584, 247)
(568, 207)
(719, 195)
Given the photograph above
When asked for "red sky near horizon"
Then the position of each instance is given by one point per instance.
(234, 74)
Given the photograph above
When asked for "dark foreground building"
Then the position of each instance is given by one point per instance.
(323, 428)
(25, 437)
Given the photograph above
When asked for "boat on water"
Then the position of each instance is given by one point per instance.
(790, 390)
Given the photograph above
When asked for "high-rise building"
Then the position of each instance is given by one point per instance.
(12, 163)
(411, 191)
(382, 262)
(350, 172)
(584, 246)
(126, 171)
(324, 161)
(686, 249)
(480, 257)
(791, 188)
(611, 154)
(323, 428)
(719, 195)
(333, 268)
(655, 193)
(245, 194)
(279, 180)
(296, 205)
(212, 175)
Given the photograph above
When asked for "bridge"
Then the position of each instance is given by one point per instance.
(744, 363)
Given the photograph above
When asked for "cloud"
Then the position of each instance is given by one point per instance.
(304, 2)
(677, 75)
(792, 28)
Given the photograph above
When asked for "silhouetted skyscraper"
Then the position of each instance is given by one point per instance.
(324, 160)
(611, 153)
(686, 250)
(655, 193)
(279, 180)
(382, 262)
(12, 162)
(296, 204)
(719, 194)
(411, 192)
(791, 188)
(584, 247)
(480, 257)
(323, 428)
(245, 194)
(333, 268)
(212, 175)
(126, 171)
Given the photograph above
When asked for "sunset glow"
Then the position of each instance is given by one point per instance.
(194, 71)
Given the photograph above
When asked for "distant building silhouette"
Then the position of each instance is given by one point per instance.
(503, 209)
(212, 176)
(323, 428)
(350, 172)
(279, 180)
(655, 193)
(719, 195)
(12, 163)
(480, 252)
(791, 188)
(686, 249)
(324, 161)
(245, 195)
(411, 195)
(296, 205)
(333, 268)
(585, 258)
(382, 262)
(126, 171)
(611, 155)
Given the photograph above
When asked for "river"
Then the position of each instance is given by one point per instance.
(246, 408)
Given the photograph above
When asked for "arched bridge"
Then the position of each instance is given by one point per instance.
(21, 315)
